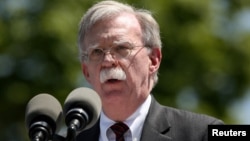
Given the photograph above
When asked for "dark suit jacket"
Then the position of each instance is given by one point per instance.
(165, 124)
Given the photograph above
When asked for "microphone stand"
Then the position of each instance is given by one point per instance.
(72, 128)
(76, 119)
(39, 136)
(40, 131)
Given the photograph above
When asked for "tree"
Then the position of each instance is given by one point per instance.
(205, 64)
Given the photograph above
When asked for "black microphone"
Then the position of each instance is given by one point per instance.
(42, 117)
(81, 109)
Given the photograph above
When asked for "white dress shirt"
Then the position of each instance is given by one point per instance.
(134, 122)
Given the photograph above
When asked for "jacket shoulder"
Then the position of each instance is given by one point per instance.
(179, 124)
(189, 125)
(189, 117)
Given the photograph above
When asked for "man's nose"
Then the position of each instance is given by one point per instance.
(109, 59)
(108, 56)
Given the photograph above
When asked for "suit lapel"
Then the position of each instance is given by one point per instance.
(156, 125)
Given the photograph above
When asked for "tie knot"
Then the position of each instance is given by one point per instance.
(119, 129)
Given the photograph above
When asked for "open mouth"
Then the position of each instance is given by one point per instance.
(112, 80)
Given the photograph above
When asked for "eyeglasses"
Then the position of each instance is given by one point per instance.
(118, 51)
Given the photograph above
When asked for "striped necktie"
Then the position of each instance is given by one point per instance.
(119, 129)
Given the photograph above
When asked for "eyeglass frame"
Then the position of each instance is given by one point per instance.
(114, 54)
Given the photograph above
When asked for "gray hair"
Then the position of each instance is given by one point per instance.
(108, 9)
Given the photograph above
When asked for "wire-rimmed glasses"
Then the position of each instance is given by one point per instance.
(117, 51)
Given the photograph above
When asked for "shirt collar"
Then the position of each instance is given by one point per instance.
(135, 121)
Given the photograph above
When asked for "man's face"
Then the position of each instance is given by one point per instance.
(132, 84)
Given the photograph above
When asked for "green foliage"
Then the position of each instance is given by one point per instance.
(205, 66)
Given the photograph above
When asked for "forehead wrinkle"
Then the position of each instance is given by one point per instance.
(110, 31)
(109, 41)
(122, 41)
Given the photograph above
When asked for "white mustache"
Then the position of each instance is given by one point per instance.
(112, 73)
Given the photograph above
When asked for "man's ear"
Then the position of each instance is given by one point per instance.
(85, 71)
(155, 57)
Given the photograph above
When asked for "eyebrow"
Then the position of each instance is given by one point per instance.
(96, 45)
(121, 42)
(93, 46)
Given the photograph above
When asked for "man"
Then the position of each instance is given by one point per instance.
(120, 50)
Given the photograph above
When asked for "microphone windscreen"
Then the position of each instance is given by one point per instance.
(88, 100)
(43, 105)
